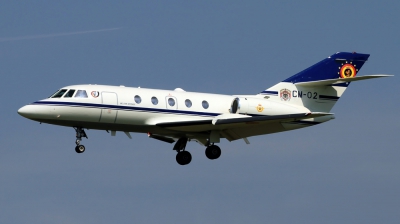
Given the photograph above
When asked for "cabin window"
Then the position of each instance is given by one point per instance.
(138, 99)
(81, 94)
(154, 100)
(205, 104)
(188, 103)
(59, 93)
(171, 102)
(70, 93)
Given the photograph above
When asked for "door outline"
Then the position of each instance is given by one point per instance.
(109, 115)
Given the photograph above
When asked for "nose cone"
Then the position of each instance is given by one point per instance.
(27, 111)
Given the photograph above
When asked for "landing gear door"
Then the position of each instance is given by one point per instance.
(108, 112)
(171, 102)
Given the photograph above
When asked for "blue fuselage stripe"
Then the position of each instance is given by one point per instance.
(126, 108)
(332, 98)
(275, 93)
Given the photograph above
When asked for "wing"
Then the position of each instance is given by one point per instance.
(222, 121)
(234, 126)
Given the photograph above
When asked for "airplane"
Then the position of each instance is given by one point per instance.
(176, 116)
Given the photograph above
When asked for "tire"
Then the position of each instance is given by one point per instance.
(213, 152)
(79, 148)
(183, 158)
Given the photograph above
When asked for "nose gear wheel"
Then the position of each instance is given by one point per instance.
(80, 133)
(80, 148)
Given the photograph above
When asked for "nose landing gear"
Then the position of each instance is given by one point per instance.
(80, 133)
(79, 148)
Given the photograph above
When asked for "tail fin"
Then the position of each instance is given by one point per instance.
(339, 65)
(320, 86)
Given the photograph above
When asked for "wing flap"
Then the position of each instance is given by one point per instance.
(161, 138)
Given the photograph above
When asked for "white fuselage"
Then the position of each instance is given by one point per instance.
(118, 108)
(302, 100)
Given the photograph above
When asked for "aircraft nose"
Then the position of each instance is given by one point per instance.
(26, 111)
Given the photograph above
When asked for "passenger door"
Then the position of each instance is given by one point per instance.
(109, 112)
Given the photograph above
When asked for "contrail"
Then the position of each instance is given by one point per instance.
(55, 34)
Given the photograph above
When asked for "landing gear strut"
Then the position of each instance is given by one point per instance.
(183, 157)
(213, 152)
(80, 133)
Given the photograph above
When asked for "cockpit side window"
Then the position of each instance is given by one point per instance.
(70, 93)
(59, 93)
(81, 94)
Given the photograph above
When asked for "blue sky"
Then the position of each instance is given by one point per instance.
(343, 171)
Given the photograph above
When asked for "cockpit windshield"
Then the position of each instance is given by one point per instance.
(65, 93)
(59, 93)
(70, 93)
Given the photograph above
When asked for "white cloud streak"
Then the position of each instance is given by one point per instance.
(40, 36)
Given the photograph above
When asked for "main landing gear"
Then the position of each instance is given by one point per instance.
(213, 152)
(80, 133)
(184, 157)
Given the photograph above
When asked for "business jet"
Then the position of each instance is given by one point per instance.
(176, 116)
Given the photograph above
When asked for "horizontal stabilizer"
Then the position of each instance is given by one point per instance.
(338, 81)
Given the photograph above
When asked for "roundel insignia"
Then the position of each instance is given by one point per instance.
(260, 108)
(95, 94)
(347, 71)
(285, 94)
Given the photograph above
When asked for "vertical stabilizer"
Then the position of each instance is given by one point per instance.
(319, 98)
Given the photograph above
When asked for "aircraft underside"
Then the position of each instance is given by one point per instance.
(179, 137)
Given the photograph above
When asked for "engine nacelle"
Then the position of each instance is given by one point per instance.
(261, 106)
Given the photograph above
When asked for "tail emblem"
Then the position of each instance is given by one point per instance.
(285, 94)
(347, 70)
